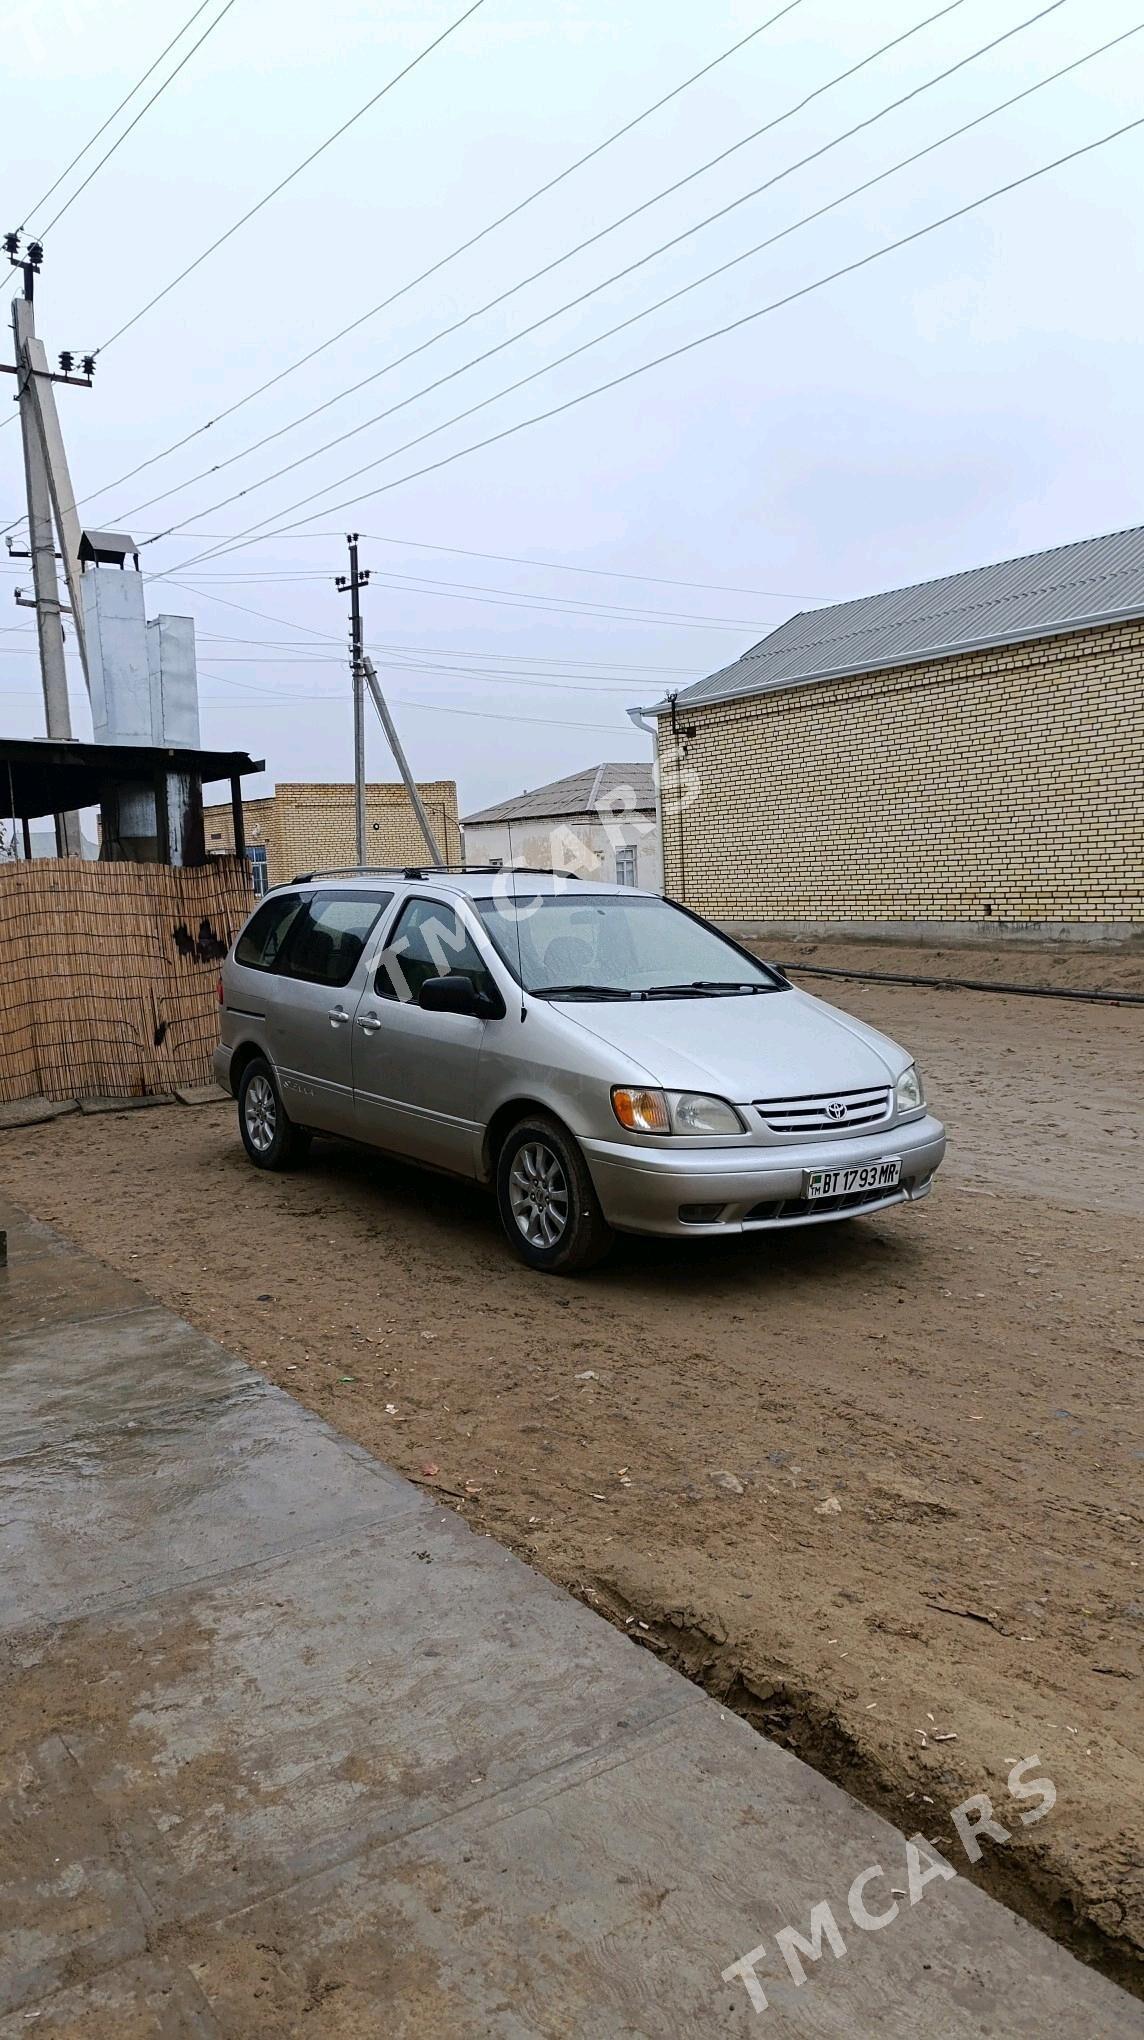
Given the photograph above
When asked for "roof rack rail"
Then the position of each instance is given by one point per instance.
(428, 871)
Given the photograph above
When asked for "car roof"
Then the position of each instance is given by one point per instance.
(477, 883)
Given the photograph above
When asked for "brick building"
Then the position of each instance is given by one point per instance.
(962, 756)
(309, 827)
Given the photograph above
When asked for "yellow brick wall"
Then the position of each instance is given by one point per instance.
(1011, 778)
(307, 827)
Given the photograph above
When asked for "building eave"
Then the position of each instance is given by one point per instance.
(962, 648)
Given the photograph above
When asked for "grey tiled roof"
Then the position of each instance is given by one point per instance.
(579, 794)
(1095, 580)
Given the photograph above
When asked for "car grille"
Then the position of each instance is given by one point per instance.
(821, 1207)
(825, 1112)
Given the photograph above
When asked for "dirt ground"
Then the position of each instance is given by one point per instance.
(877, 1484)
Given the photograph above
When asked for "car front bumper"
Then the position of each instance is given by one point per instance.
(642, 1189)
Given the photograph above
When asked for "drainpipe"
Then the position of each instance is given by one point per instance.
(639, 717)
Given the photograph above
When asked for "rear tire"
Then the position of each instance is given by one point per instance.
(548, 1204)
(269, 1135)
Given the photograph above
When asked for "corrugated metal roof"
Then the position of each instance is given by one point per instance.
(579, 794)
(1070, 587)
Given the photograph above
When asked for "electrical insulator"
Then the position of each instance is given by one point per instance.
(89, 365)
(35, 254)
(67, 362)
(12, 245)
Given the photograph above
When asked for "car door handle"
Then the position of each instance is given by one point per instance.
(369, 1024)
(338, 1016)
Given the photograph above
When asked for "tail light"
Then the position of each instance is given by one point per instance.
(220, 996)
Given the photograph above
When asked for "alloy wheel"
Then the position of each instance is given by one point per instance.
(538, 1194)
(260, 1109)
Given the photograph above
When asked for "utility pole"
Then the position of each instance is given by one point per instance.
(402, 763)
(49, 491)
(355, 582)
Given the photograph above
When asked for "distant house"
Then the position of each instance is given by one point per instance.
(601, 821)
(963, 754)
(304, 826)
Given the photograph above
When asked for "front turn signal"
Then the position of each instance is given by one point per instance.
(641, 1111)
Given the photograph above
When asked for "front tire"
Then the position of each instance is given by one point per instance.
(547, 1200)
(269, 1135)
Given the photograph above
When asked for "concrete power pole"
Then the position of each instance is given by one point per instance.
(355, 582)
(402, 763)
(49, 493)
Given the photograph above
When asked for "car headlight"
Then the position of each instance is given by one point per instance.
(693, 1112)
(683, 1112)
(909, 1094)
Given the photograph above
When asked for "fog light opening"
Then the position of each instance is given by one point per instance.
(701, 1214)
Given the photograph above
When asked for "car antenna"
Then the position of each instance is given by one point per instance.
(516, 921)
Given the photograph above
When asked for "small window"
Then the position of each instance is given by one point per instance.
(259, 871)
(326, 942)
(260, 944)
(429, 941)
(626, 865)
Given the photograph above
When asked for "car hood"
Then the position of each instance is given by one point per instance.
(773, 1044)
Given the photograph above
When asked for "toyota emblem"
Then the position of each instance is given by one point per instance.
(836, 1109)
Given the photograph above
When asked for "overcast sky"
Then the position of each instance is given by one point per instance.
(973, 395)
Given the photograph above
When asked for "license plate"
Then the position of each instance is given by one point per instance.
(847, 1182)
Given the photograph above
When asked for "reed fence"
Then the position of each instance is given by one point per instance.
(108, 974)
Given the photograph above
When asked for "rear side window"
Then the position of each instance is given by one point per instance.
(328, 937)
(261, 942)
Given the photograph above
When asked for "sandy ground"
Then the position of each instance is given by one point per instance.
(876, 1484)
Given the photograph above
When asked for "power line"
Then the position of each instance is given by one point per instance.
(537, 605)
(157, 94)
(432, 672)
(608, 573)
(557, 262)
(635, 317)
(686, 347)
(327, 637)
(565, 605)
(289, 178)
(92, 139)
(280, 700)
(461, 249)
(559, 604)
(238, 576)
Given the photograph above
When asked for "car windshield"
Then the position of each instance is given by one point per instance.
(605, 946)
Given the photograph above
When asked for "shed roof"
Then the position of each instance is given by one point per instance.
(581, 793)
(107, 546)
(1070, 587)
(45, 776)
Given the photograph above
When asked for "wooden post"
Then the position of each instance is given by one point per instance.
(162, 820)
(238, 819)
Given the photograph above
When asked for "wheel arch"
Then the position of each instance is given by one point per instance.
(501, 1124)
(241, 1059)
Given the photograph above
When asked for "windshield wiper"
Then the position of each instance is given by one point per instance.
(704, 988)
(583, 992)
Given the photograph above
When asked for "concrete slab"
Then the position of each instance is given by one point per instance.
(285, 1748)
(202, 1094)
(90, 1105)
(102, 1366)
(606, 1901)
(122, 1512)
(34, 1111)
(39, 1292)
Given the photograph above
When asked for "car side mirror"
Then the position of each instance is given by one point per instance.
(454, 993)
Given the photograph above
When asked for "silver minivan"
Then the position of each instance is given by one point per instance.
(603, 1058)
